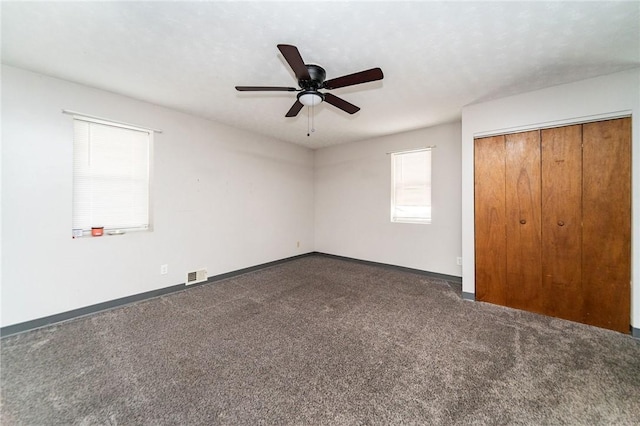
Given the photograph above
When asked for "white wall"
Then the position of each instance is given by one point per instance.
(223, 199)
(226, 199)
(353, 188)
(602, 97)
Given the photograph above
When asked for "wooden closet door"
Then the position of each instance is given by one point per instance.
(523, 203)
(562, 222)
(490, 237)
(606, 239)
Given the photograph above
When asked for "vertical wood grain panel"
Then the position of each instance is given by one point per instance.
(607, 223)
(523, 204)
(562, 222)
(490, 238)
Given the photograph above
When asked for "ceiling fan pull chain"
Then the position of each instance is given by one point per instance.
(313, 118)
(308, 121)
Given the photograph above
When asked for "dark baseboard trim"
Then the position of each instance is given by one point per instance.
(116, 303)
(445, 277)
(469, 296)
(232, 274)
(87, 310)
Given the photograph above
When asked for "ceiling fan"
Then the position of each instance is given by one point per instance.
(311, 78)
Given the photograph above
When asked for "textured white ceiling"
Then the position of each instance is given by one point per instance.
(436, 56)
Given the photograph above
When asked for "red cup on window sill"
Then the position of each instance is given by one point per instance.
(97, 231)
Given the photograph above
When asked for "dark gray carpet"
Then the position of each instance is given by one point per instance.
(320, 341)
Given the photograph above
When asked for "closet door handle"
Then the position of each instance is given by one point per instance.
(522, 221)
(560, 223)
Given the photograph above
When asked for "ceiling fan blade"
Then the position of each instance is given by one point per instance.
(265, 89)
(295, 109)
(357, 78)
(292, 55)
(340, 103)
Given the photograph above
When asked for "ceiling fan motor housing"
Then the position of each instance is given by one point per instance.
(317, 74)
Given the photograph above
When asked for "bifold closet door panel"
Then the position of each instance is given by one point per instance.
(606, 238)
(523, 203)
(490, 238)
(562, 222)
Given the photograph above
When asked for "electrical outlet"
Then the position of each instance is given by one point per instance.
(164, 269)
(298, 244)
(459, 261)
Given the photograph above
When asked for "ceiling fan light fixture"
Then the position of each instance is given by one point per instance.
(310, 98)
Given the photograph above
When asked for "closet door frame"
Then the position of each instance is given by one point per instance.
(556, 271)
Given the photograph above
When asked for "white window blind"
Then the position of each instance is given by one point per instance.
(411, 186)
(110, 175)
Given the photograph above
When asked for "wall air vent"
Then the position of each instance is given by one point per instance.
(196, 276)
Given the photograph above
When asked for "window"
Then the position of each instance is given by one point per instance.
(110, 175)
(411, 186)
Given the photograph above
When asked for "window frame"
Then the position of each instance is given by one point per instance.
(394, 217)
(84, 230)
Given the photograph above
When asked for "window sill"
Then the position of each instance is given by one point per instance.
(413, 221)
(108, 233)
